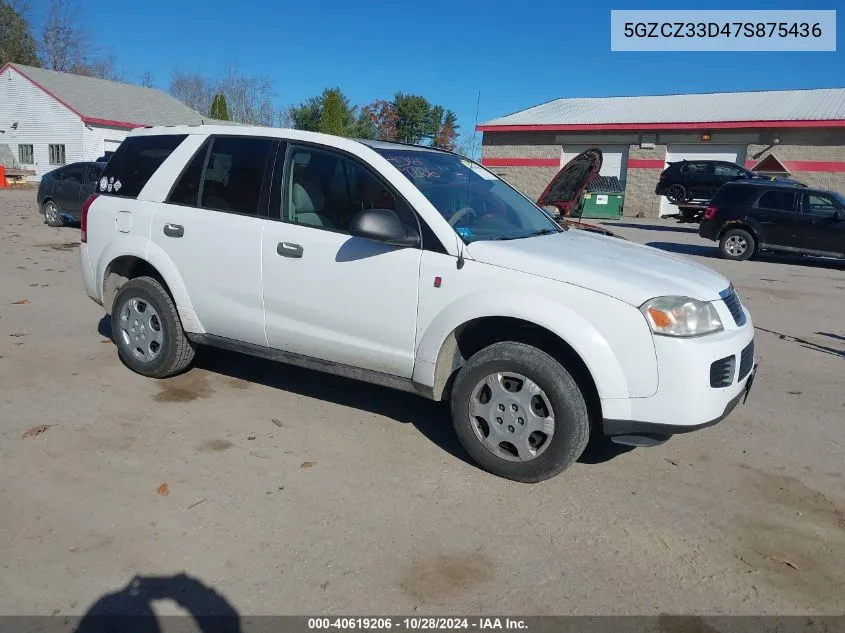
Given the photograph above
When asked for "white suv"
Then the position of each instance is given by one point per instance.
(416, 269)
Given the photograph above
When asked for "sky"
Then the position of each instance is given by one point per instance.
(515, 54)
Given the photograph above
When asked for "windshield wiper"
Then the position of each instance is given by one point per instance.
(546, 232)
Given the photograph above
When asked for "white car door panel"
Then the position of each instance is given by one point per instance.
(219, 257)
(343, 299)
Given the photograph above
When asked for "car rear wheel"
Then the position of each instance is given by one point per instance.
(676, 194)
(51, 214)
(518, 412)
(737, 244)
(147, 330)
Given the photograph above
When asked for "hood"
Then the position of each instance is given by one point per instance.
(622, 269)
(566, 187)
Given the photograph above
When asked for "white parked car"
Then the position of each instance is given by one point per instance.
(416, 269)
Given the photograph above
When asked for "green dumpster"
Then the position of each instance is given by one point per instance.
(603, 198)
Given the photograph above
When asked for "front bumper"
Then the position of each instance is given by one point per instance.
(686, 400)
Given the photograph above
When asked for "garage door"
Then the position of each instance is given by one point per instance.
(674, 153)
(614, 158)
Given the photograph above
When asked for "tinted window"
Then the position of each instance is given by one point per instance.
(327, 190)
(780, 200)
(732, 194)
(94, 173)
(234, 173)
(698, 168)
(820, 205)
(74, 174)
(135, 161)
(728, 170)
(187, 189)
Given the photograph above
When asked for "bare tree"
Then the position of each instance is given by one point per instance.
(147, 80)
(193, 89)
(65, 43)
(249, 99)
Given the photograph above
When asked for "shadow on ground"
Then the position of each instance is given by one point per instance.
(431, 419)
(703, 250)
(130, 609)
(652, 227)
(809, 344)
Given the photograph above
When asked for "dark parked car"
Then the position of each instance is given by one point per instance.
(63, 191)
(699, 179)
(747, 217)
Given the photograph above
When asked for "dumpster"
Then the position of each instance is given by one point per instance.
(603, 198)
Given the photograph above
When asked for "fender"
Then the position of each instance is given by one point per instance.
(142, 248)
(578, 332)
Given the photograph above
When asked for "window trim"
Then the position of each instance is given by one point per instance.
(50, 147)
(425, 234)
(208, 145)
(31, 153)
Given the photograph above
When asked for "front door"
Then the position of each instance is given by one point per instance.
(777, 218)
(819, 227)
(327, 294)
(211, 228)
(699, 178)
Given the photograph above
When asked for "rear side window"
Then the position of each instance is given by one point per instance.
(779, 200)
(134, 163)
(234, 173)
(698, 168)
(74, 174)
(187, 188)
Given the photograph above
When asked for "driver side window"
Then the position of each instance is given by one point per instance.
(326, 190)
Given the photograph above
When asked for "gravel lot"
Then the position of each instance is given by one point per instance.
(291, 492)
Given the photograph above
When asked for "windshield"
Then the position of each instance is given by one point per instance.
(478, 204)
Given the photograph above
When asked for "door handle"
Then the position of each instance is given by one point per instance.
(174, 230)
(288, 249)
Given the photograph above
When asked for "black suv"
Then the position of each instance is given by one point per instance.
(63, 191)
(747, 217)
(699, 179)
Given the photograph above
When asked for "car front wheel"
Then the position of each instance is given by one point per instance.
(737, 244)
(147, 330)
(518, 412)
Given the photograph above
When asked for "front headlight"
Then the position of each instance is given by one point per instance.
(681, 316)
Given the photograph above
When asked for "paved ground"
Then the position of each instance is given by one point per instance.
(295, 492)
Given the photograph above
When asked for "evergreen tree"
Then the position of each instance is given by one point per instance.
(219, 110)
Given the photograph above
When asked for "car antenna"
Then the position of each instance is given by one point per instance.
(460, 262)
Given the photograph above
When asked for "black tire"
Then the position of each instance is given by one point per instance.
(175, 352)
(52, 214)
(731, 242)
(572, 425)
(677, 193)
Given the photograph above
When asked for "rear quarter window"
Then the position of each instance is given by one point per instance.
(134, 163)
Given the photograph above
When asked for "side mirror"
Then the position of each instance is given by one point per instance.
(383, 225)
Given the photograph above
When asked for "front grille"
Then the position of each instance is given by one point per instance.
(731, 300)
(722, 372)
(746, 360)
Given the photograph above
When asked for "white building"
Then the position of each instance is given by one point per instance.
(48, 118)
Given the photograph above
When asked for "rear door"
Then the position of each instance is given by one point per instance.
(699, 179)
(93, 173)
(68, 190)
(776, 216)
(819, 228)
(210, 226)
